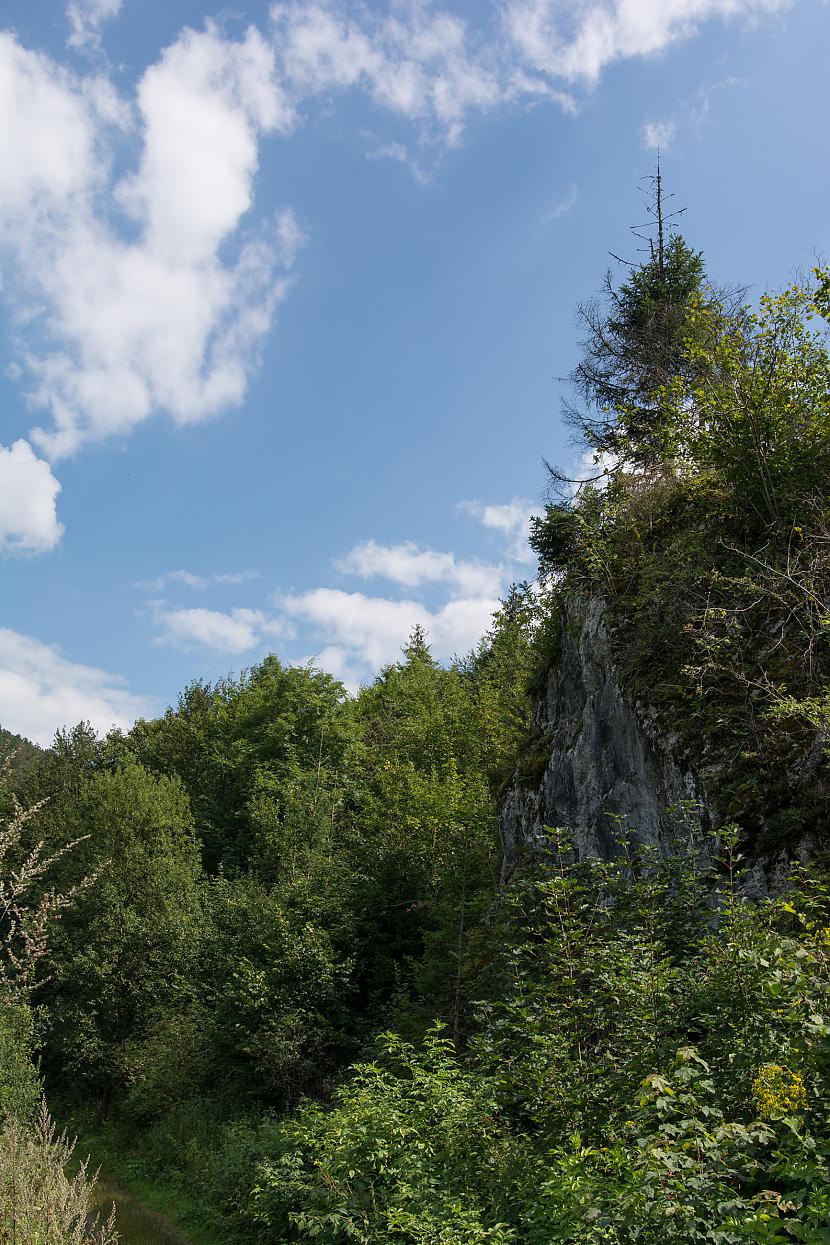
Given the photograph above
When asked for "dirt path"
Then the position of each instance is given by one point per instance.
(136, 1223)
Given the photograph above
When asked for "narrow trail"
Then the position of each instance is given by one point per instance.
(136, 1223)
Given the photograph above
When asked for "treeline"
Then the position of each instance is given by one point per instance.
(261, 881)
(280, 870)
(289, 978)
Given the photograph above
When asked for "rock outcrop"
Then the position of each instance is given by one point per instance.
(606, 770)
(610, 770)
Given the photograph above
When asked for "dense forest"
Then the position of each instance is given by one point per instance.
(264, 945)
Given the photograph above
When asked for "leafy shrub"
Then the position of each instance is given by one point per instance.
(622, 1090)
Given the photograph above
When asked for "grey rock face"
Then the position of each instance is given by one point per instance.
(610, 770)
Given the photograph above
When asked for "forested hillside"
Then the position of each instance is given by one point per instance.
(263, 944)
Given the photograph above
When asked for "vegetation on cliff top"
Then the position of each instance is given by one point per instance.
(705, 527)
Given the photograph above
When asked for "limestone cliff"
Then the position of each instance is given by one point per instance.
(603, 765)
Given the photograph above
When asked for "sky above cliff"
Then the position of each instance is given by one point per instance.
(288, 291)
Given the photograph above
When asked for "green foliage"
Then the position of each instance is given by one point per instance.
(20, 753)
(635, 346)
(19, 1084)
(126, 949)
(30, 904)
(757, 413)
(245, 751)
(620, 1087)
(410, 1152)
(39, 1202)
(437, 743)
(350, 851)
(714, 559)
(274, 988)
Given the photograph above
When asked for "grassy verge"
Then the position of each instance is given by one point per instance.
(171, 1214)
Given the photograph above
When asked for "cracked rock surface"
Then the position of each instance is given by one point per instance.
(610, 771)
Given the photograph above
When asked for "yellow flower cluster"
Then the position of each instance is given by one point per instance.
(778, 1091)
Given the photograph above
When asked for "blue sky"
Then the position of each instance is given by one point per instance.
(287, 290)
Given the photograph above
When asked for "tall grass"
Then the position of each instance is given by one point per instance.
(39, 1203)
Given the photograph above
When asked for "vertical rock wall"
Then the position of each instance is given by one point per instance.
(609, 769)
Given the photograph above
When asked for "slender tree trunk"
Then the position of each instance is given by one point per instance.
(104, 1105)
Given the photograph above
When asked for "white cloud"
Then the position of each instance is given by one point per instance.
(433, 69)
(336, 660)
(594, 467)
(185, 578)
(233, 631)
(420, 62)
(118, 329)
(355, 633)
(512, 519)
(659, 135)
(576, 40)
(140, 294)
(28, 517)
(459, 625)
(234, 577)
(47, 138)
(41, 691)
(202, 106)
(359, 633)
(86, 17)
(370, 628)
(411, 566)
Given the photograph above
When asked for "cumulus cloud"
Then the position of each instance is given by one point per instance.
(359, 633)
(233, 631)
(86, 17)
(120, 324)
(354, 633)
(28, 516)
(433, 69)
(511, 519)
(575, 40)
(594, 468)
(47, 137)
(41, 691)
(142, 293)
(420, 62)
(411, 566)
